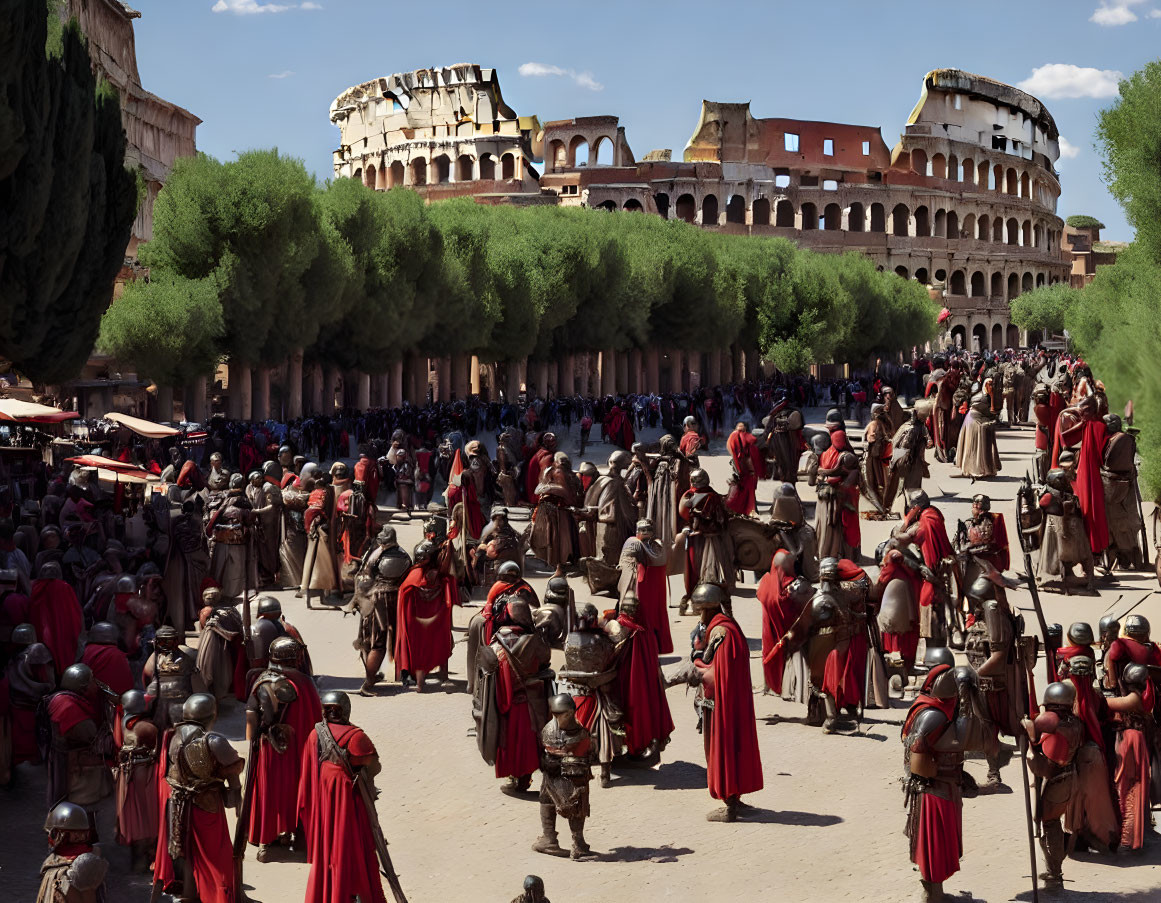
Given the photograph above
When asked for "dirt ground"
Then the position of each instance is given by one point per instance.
(827, 826)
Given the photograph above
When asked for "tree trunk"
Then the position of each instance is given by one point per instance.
(364, 400)
(195, 400)
(652, 370)
(164, 403)
(246, 392)
(292, 392)
(261, 394)
(461, 365)
(737, 370)
(234, 387)
(608, 372)
(330, 387)
(396, 394)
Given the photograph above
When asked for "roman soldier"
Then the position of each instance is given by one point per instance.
(281, 712)
(366, 471)
(1135, 724)
(837, 513)
(749, 467)
(1044, 413)
(218, 478)
(220, 644)
(839, 620)
(1065, 542)
(783, 441)
(381, 573)
(611, 514)
(637, 478)
(510, 583)
(56, 615)
(1134, 647)
(647, 720)
(28, 679)
(266, 501)
(320, 569)
(499, 542)
(186, 566)
(924, 527)
(356, 512)
(691, 441)
(878, 482)
(644, 575)
(897, 591)
(553, 537)
(79, 740)
(104, 657)
(709, 554)
(135, 780)
(423, 641)
(74, 871)
(566, 764)
(233, 563)
(590, 675)
(909, 453)
(336, 808)
(670, 480)
(1119, 475)
(295, 502)
(170, 676)
(781, 608)
(984, 539)
(795, 534)
(194, 857)
(269, 626)
(540, 460)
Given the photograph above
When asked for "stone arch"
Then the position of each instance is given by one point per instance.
(901, 272)
(508, 167)
(957, 284)
(357, 175)
(465, 166)
(996, 183)
(1025, 186)
(1013, 231)
(1026, 233)
(604, 155)
(985, 228)
(978, 288)
(856, 218)
(980, 337)
(832, 218)
(661, 202)
(952, 224)
(1013, 286)
(922, 222)
(396, 174)
(982, 175)
(921, 276)
(809, 217)
(558, 154)
(939, 229)
(487, 168)
(736, 209)
(969, 171)
(1027, 282)
(941, 275)
(997, 285)
(939, 167)
(686, 208)
(784, 214)
(1039, 280)
(760, 212)
(709, 210)
(418, 171)
(998, 230)
(441, 169)
(1012, 182)
(1013, 337)
(578, 152)
(899, 220)
(634, 206)
(369, 175)
(969, 226)
(878, 218)
(959, 336)
(997, 336)
(919, 161)
(953, 167)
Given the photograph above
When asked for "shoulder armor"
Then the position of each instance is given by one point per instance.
(221, 749)
(86, 873)
(927, 722)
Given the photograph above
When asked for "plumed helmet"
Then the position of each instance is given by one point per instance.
(271, 469)
(1135, 677)
(23, 635)
(557, 591)
(965, 675)
(1112, 423)
(66, 816)
(424, 552)
(1057, 479)
(268, 605)
(126, 583)
(1060, 694)
(76, 678)
(519, 612)
(828, 568)
(561, 703)
(133, 702)
(201, 708)
(938, 655)
(1055, 635)
(285, 650)
(983, 502)
(822, 609)
(336, 706)
(1137, 627)
(1109, 627)
(212, 596)
(1080, 634)
(50, 570)
(920, 500)
(166, 637)
(104, 634)
(708, 595)
(619, 460)
(509, 572)
(237, 481)
(819, 443)
(981, 589)
(1081, 666)
(699, 479)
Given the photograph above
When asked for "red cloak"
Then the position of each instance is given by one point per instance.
(500, 588)
(367, 471)
(829, 460)
(619, 428)
(690, 443)
(56, 615)
(465, 492)
(647, 716)
(540, 459)
(274, 810)
(519, 751)
(733, 764)
(933, 543)
(343, 861)
(208, 846)
(110, 666)
(777, 618)
(750, 466)
(423, 640)
(906, 644)
(652, 593)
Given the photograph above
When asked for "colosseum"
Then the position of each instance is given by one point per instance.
(965, 202)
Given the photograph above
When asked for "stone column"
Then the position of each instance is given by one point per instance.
(540, 378)
(474, 375)
(164, 403)
(195, 400)
(382, 390)
(246, 392)
(608, 372)
(676, 369)
(363, 401)
(694, 366)
(652, 370)
(753, 360)
(635, 359)
(395, 396)
(293, 389)
(461, 365)
(316, 389)
(443, 373)
(713, 370)
(410, 380)
(512, 383)
(622, 376)
(234, 387)
(261, 404)
(736, 369)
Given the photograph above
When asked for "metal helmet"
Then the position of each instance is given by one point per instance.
(255, 476)
(268, 605)
(588, 469)
(689, 421)
(50, 570)
(699, 479)
(340, 471)
(620, 460)
(819, 443)
(920, 500)
(336, 706)
(834, 418)
(1135, 677)
(1055, 635)
(1112, 423)
(561, 703)
(787, 507)
(939, 655)
(645, 526)
(126, 583)
(519, 611)
(1109, 627)
(147, 570)
(1080, 634)
(104, 634)
(23, 635)
(66, 816)
(387, 537)
(1137, 628)
(212, 596)
(284, 650)
(557, 591)
(1058, 479)
(828, 568)
(166, 637)
(1081, 666)
(823, 608)
(942, 685)
(133, 702)
(848, 461)
(271, 469)
(1060, 694)
(77, 678)
(424, 552)
(981, 589)
(201, 708)
(708, 595)
(965, 675)
(237, 481)
(983, 502)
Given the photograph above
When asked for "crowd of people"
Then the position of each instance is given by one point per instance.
(102, 589)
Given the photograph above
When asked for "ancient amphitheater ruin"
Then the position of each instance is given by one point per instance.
(965, 202)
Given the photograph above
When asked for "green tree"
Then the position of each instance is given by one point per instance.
(68, 201)
(1046, 308)
(1083, 221)
(167, 328)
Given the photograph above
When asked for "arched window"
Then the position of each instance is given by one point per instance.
(957, 283)
(508, 167)
(464, 167)
(736, 209)
(922, 223)
(985, 228)
(901, 272)
(686, 208)
(997, 285)
(959, 336)
(784, 214)
(856, 218)
(977, 284)
(661, 202)
(487, 168)
(1026, 233)
(1013, 336)
(419, 171)
(396, 176)
(832, 218)
(809, 217)
(940, 228)
(921, 276)
(1013, 286)
(953, 167)
(633, 205)
(1013, 186)
(1027, 283)
(604, 151)
(369, 176)
(878, 218)
(899, 218)
(709, 210)
(997, 337)
(939, 167)
(969, 171)
(558, 154)
(1039, 279)
(919, 161)
(760, 212)
(982, 180)
(442, 169)
(1013, 232)
(578, 152)
(1025, 186)
(979, 337)
(952, 224)
(998, 230)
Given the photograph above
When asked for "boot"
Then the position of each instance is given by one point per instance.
(263, 853)
(932, 891)
(548, 842)
(828, 724)
(606, 775)
(993, 784)
(580, 849)
(727, 813)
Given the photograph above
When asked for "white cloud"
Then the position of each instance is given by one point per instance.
(1115, 12)
(285, 73)
(1155, 14)
(1068, 150)
(309, 5)
(543, 70)
(1058, 81)
(253, 7)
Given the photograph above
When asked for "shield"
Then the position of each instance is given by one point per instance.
(897, 612)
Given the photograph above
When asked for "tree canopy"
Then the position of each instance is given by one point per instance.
(1046, 308)
(1083, 221)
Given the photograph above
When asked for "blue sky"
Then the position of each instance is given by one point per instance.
(262, 73)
